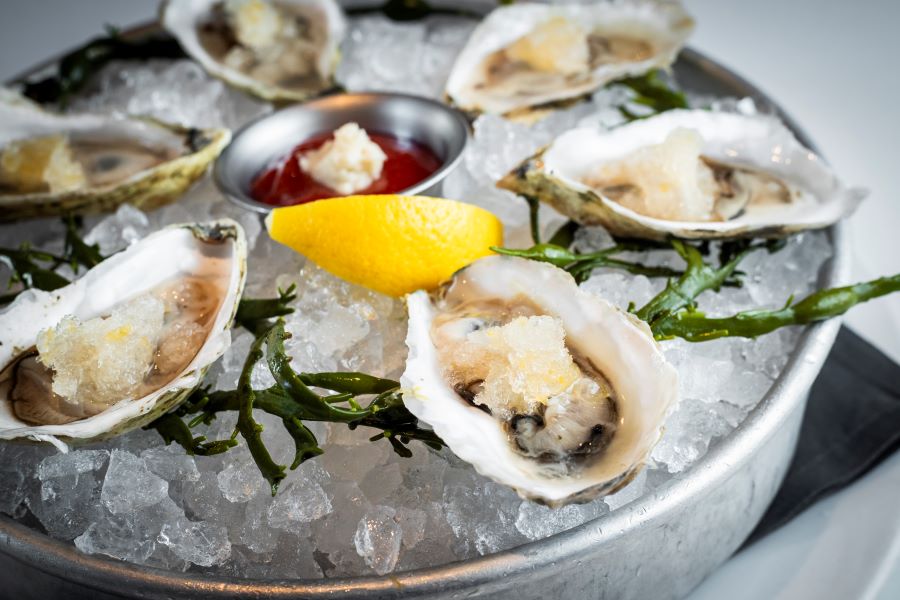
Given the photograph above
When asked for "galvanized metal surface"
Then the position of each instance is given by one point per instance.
(258, 144)
(660, 546)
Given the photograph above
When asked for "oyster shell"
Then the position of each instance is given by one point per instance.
(198, 268)
(526, 56)
(747, 176)
(488, 371)
(284, 50)
(107, 161)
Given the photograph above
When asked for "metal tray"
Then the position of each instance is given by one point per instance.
(660, 546)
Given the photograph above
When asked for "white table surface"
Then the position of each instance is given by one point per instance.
(832, 66)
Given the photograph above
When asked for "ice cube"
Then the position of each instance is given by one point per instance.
(177, 91)
(412, 522)
(254, 532)
(129, 485)
(198, 542)
(71, 464)
(116, 536)
(119, 230)
(377, 539)
(536, 522)
(412, 57)
(689, 431)
(69, 492)
(240, 481)
(171, 463)
(201, 499)
(298, 502)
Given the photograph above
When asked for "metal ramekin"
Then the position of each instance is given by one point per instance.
(263, 141)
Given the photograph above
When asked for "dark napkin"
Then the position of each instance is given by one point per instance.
(852, 422)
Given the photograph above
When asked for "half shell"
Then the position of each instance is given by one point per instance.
(759, 144)
(213, 251)
(139, 161)
(621, 39)
(199, 27)
(612, 342)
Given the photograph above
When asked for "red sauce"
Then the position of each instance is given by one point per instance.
(286, 184)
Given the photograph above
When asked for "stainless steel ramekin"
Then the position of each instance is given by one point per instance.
(261, 142)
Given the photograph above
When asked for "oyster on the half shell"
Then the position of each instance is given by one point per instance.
(126, 342)
(538, 384)
(278, 50)
(694, 174)
(527, 56)
(52, 164)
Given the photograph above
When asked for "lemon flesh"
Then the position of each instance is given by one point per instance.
(391, 244)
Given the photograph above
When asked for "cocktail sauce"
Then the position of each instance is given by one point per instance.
(285, 184)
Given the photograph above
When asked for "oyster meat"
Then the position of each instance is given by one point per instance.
(527, 55)
(540, 385)
(280, 50)
(692, 174)
(123, 344)
(52, 164)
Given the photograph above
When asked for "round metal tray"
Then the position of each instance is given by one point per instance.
(659, 546)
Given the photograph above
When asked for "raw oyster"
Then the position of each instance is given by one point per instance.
(126, 342)
(281, 50)
(540, 385)
(52, 164)
(527, 56)
(692, 174)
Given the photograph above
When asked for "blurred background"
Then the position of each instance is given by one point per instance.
(831, 65)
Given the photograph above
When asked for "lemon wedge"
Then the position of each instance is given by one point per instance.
(389, 243)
